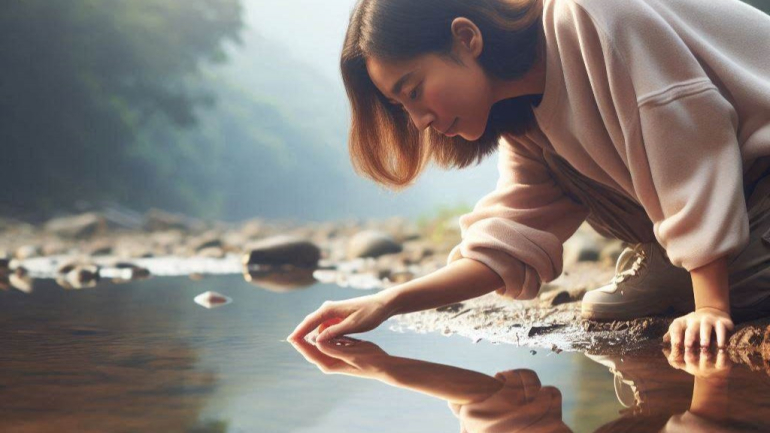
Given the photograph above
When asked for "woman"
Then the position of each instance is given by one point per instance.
(650, 120)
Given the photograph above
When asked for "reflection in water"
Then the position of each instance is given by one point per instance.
(702, 393)
(279, 278)
(99, 369)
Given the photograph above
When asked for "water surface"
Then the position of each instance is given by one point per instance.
(143, 356)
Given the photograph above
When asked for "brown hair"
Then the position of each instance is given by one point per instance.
(384, 144)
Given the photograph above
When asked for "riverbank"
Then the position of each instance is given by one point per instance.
(86, 250)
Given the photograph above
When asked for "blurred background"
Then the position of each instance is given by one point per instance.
(218, 109)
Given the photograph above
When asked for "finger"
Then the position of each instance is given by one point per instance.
(676, 332)
(311, 322)
(691, 333)
(347, 325)
(705, 362)
(667, 337)
(723, 361)
(721, 331)
(691, 360)
(705, 334)
(339, 347)
(312, 354)
(675, 357)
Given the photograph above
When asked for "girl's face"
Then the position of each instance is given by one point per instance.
(452, 96)
(437, 92)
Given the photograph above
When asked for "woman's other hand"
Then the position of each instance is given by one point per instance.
(698, 326)
(358, 315)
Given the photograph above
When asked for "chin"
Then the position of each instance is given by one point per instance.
(471, 137)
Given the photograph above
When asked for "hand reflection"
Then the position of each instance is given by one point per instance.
(703, 364)
(343, 355)
(511, 401)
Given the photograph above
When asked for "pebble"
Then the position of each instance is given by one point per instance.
(212, 299)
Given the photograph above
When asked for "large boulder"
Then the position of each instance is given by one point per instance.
(282, 250)
(372, 243)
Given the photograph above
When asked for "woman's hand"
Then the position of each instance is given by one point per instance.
(698, 325)
(358, 315)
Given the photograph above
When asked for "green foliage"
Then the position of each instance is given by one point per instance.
(81, 78)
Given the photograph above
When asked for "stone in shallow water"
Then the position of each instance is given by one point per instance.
(372, 243)
(78, 276)
(19, 279)
(212, 300)
(282, 250)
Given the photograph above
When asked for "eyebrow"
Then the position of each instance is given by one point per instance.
(400, 83)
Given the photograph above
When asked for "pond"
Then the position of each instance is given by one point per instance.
(143, 356)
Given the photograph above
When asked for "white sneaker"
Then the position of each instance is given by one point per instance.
(645, 283)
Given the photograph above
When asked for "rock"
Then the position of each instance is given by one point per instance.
(282, 250)
(158, 220)
(25, 252)
(102, 247)
(54, 248)
(19, 279)
(580, 247)
(371, 243)
(78, 276)
(5, 264)
(558, 297)
(137, 272)
(211, 252)
(83, 226)
(206, 242)
(611, 251)
(212, 300)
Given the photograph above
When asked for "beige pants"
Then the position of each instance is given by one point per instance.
(615, 215)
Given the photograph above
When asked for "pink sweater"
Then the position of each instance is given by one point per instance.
(665, 101)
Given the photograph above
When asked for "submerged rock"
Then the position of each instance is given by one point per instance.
(282, 250)
(212, 300)
(372, 243)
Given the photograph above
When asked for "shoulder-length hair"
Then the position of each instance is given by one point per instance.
(384, 144)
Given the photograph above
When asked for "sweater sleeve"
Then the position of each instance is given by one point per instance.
(680, 132)
(518, 230)
(520, 405)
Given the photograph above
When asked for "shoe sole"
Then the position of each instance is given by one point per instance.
(622, 312)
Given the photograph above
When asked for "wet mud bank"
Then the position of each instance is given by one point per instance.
(540, 326)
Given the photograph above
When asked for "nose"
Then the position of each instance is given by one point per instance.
(422, 119)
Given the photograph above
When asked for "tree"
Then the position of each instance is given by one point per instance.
(81, 78)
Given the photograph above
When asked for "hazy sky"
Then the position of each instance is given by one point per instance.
(312, 31)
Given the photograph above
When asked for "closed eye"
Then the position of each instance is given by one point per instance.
(414, 94)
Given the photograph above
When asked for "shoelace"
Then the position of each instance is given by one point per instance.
(640, 261)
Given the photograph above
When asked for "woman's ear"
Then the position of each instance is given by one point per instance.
(467, 37)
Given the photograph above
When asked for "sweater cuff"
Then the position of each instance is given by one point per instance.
(521, 281)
